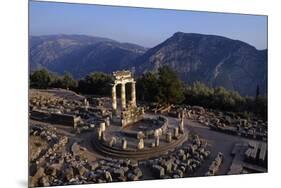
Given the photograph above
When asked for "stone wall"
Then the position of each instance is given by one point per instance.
(56, 118)
(131, 115)
(163, 126)
(65, 119)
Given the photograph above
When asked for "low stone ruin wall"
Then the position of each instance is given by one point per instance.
(131, 116)
(39, 115)
(163, 126)
(65, 119)
(98, 111)
(56, 118)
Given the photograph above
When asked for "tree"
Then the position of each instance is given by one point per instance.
(65, 82)
(147, 87)
(170, 86)
(56, 82)
(199, 94)
(261, 107)
(40, 79)
(68, 82)
(162, 87)
(96, 84)
(217, 98)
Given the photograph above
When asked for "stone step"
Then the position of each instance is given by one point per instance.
(142, 154)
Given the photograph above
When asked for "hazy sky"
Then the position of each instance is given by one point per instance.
(146, 27)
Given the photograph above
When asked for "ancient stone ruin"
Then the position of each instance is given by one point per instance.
(78, 139)
(130, 113)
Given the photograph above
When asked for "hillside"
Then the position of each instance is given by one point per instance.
(80, 54)
(213, 60)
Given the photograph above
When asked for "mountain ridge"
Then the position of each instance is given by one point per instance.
(211, 59)
(60, 53)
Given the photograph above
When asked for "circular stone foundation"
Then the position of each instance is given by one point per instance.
(145, 139)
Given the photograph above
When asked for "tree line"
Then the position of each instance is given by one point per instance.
(163, 87)
(93, 84)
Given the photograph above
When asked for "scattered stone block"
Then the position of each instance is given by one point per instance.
(122, 178)
(179, 173)
(68, 173)
(158, 171)
(94, 166)
(138, 172)
(108, 176)
(118, 173)
(44, 181)
(168, 166)
(132, 177)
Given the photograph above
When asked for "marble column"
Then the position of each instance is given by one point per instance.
(168, 137)
(124, 143)
(114, 100)
(123, 95)
(140, 144)
(181, 126)
(157, 141)
(133, 94)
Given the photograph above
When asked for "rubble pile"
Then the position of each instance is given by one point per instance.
(72, 111)
(53, 103)
(180, 163)
(227, 122)
(47, 134)
(256, 153)
(214, 167)
(73, 170)
(56, 166)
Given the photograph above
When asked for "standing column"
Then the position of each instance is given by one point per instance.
(123, 95)
(133, 94)
(114, 100)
